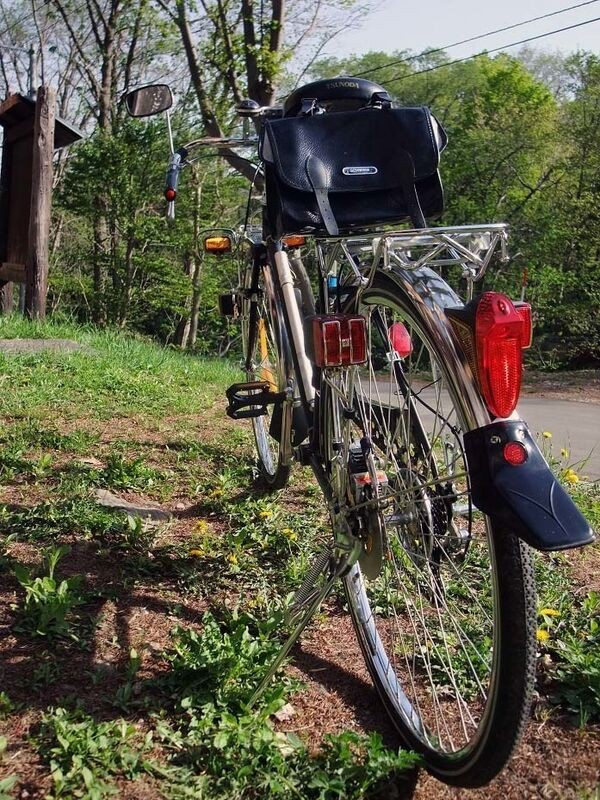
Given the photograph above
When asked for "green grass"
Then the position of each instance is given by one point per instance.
(121, 376)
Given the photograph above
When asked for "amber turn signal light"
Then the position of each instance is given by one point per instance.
(217, 244)
(294, 240)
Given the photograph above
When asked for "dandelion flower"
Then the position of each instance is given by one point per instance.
(232, 558)
(202, 526)
(289, 534)
(196, 552)
(265, 514)
(542, 635)
(215, 494)
(550, 612)
(546, 434)
(571, 476)
(564, 452)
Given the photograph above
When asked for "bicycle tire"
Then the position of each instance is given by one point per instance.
(415, 659)
(270, 361)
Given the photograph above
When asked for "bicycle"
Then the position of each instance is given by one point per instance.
(401, 397)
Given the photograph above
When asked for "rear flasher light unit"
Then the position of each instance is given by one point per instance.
(217, 244)
(336, 340)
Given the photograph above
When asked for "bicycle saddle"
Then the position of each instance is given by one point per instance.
(335, 94)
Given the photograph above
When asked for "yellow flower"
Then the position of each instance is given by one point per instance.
(215, 493)
(265, 514)
(232, 558)
(542, 635)
(197, 552)
(564, 452)
(571, 476)
(289, 534)
(546, 434)
(550, 612)
(202, 526)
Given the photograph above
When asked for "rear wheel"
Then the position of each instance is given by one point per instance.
(263, 334)
(442, 598)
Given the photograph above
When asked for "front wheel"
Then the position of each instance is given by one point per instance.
(443, 598)
(268, 358)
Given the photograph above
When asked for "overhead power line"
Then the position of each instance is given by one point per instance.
(492, 50)
(407, 59)
(15, 23)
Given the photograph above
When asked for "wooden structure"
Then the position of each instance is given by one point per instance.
(31, 134)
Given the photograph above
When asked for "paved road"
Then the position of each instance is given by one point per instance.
(574, 426)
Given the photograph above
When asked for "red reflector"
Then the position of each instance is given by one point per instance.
(499, 336)
(524, 311)
(337, 340)
(170, 195)
(515, 453)
(400, 339)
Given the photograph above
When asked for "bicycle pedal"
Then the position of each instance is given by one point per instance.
(247, 400)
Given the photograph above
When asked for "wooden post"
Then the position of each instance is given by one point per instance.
(36, 265)
(6, 298)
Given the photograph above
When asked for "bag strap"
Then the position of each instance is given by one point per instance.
(411, 198)
(317, 175)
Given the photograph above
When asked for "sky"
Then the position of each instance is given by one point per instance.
(398, 25)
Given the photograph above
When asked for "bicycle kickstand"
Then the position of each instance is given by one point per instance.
(311, 606)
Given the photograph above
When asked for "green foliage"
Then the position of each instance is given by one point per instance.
(224, 663)
(221, 750)
(6, 784)
(232, 756)
(573, 642)
(48, 602)
(48, 520)
(84, 755)
(6, 706)
(122, 473)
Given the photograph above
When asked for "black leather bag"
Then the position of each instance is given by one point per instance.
(334, 173)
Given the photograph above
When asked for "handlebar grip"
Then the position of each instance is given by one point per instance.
(173, 177)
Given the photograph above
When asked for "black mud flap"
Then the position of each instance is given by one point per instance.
(527, 497)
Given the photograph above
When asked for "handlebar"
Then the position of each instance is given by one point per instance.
(178, 158)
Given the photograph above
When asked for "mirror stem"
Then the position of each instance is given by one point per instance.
(171, 145)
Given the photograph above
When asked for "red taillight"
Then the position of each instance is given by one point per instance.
(501, 332)
(515, 453)
(400, 339)
(337, 340)
(170, 195)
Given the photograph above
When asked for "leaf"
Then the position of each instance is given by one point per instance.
(220, 740)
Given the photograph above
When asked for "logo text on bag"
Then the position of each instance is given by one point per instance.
(342, 85)
(359, 170)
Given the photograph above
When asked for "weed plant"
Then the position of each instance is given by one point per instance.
(48, 605)
(83, 754)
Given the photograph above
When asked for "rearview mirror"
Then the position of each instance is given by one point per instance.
(149, 100)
